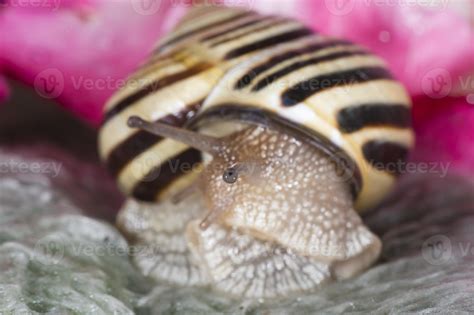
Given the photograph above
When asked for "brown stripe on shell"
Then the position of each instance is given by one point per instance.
(163, 175)
(345, 165)
(269, 79)
(268, 42)
(200, 13)
(154, 87)
(247, 78)
(385, 155)
(354, 118)
(159, 60)
(251, 31)
(234, 28)
(142, 140)
(150, 64)
(203, 29)
(305, 89)
(149, 68)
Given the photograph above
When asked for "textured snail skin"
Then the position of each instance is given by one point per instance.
(275, 106)
(286, 225)
(287, 210)
(287, 192)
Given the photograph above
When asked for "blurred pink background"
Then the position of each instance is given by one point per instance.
(78, 52)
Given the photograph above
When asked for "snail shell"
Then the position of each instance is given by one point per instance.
(320, 118)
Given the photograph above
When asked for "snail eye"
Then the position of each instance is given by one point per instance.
(230, 175)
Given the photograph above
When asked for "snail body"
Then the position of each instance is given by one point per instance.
(295, 132)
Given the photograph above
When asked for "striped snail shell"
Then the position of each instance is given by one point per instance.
(301, 128)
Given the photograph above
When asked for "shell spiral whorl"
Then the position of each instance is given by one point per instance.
(256, 91)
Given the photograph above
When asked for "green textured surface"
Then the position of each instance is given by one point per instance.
(54, 259)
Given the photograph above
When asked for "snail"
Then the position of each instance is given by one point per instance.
(259, 142)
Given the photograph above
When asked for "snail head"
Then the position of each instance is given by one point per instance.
(278, 188)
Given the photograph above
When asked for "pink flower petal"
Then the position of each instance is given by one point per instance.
(418, 43)
(448, 137)
(81, 52)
